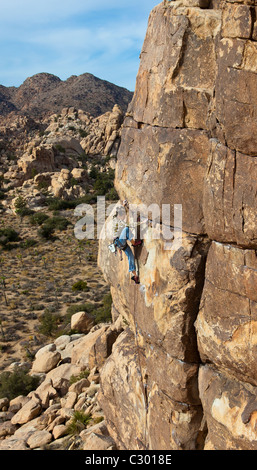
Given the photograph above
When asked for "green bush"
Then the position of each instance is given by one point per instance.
(38, 218)
(104, 182)
(58, 222)
(46, 232)
(18, 382)
(51, 224)
(8, 235)
(24, 211)
(94, 172)
(49, 323)
(79, 422)
(80, 286)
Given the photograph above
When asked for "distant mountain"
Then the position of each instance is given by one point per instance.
(44, 94)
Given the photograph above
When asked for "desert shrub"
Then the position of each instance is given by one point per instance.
(94, 172)
(24, 211)
(18, 382)
(80, 286)
(8, 235)
(21, 207)
(49, 323)
(46, 232)
(73, 182)
(87, 199)
(51, 224)
(38, 218)
(104, 182)
(79, 422)
(58, 222)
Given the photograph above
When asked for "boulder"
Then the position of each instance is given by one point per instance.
(82, 348)
(46, 392)
(79, 386)
(30, 410)
(4, 403)
(98, 442)
(17, 403)
(62, 341)
(70, 399)
(7, 429)
(13, 443)
(79, 174)
(61, 375)
(39, 439)
(47, 348)
(59, 431)
(46, 361)
(41, 160)
(82, 322)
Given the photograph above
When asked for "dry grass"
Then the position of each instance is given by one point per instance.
(41, 277)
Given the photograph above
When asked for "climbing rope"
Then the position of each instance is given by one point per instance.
(143, 385)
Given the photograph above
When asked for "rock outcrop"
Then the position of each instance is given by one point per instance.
(182, 375)
(60, 157)
(46, 418)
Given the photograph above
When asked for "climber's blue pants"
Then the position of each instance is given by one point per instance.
(125, 235)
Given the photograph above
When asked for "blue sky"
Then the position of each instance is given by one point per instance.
(65, 37)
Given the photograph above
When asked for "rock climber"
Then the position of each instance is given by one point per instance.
(121, 243)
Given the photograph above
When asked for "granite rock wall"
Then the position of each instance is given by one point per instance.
(182, 374)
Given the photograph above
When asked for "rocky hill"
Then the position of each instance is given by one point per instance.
(44, 94)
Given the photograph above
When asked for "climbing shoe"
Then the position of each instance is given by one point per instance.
(136, 279)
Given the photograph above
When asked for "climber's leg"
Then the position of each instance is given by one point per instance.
(131, 260)
(132, 265)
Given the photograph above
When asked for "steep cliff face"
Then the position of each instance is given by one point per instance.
(182, 374)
